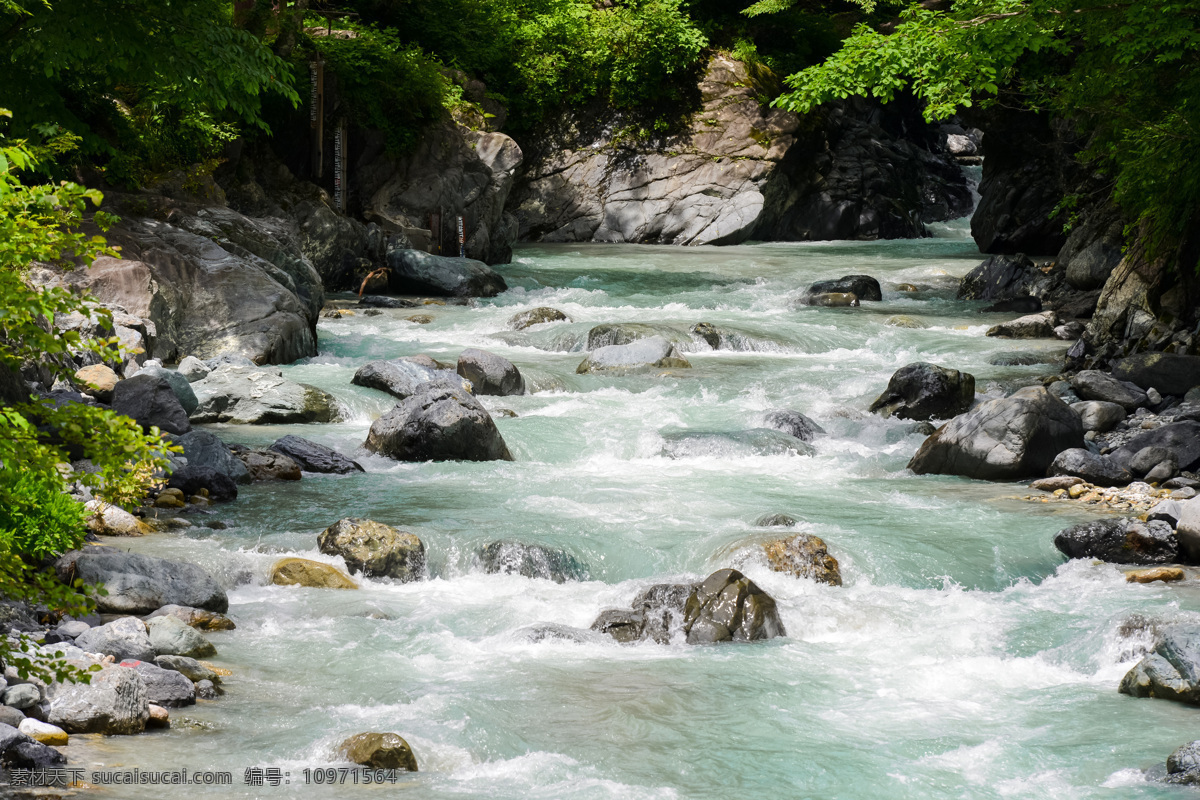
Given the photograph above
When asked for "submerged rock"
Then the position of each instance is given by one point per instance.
(438, 423)
(379, 751)
(536, 316)
(616, 333)
(732, 444)
(924, 391)
(374, 549)
(314, 574)
(1120, 541)
(139, 584)
(654, 351)
(531, 561)
(804, 556)
(775, 521)
(403, 377)
(1091, 467)
(1172, 670)
(1013, 437)
(726, 606)
(793, 423)
(489, 373)
(114, 702)
(313, 457)
(246, 395)
(831, 300)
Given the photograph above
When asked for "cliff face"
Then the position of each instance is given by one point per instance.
(740, 171)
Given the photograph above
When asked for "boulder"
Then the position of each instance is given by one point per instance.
(418, 272)
(1056, 483)
(374, 549)
(98, 381)
(150, 401)
(171, 636)
(1091, 467)
(105, 519)
(654, 351)
(190, 480)
(1001, 277)
(531, 561)
(22, 696)
(1163, 574)
(1016, 305)
(863, 287)
(245, 395)
(44, 732)
(1032, 326)
(536, 316)
(926, 391)
(114, 702)
(189, 668)
(125, 638)
(804, 556)
(1172, 670)
(11, 717)
(1183, 766)
(139, 584)
(164, 687)
(193, 369)
(1099, 415)
(1180, 440)
(18, 750)
(831, 300)
(793, 423)
(725, 606)
(1188, 529)
(1095, 385)
(202, 448)
(1146, 459)
(1169, 373)
(303, 572)
(313, 457)
(379, 751)
(1120, 541)
(438, 423)
(198, 618)
(403, 377)
(1013, 437)
(775, 521)
(179, 385)
(269, 465)
(489, 373)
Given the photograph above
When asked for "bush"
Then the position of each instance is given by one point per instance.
(37, 520)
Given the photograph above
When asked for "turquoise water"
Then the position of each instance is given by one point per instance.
(962, 658)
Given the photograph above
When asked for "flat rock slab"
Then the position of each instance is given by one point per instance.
(139, 584)
(248, 395)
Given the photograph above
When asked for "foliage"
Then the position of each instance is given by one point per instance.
(1126, 73)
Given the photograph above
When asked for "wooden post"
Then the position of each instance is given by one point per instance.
(316, 71)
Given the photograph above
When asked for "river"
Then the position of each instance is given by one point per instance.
(962, 657)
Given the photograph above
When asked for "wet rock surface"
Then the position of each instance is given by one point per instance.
(438, 423)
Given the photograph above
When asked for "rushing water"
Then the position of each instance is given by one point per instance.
(962, 658)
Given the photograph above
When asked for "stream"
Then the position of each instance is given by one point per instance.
(962, 657)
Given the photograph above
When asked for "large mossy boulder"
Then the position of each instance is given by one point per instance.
(438, 423)
(1013, 437)
(374, 549)
(923, 391)
(252, 395)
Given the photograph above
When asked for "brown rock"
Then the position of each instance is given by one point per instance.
(99, 381)
(1056, 483)
(159, 717)
(269, 465)
(379, 751)
(804, 556)
(303, 572)
(198, 618)
(1164, 574)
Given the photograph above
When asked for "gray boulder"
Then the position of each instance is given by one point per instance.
(403, 377)
(150, 401)
(1092, 467)
(1169, 373)
(374, 549)
(654, 351)
(1178, 439)
(204, 449)
(171, 636)
(1168, 511)
(269, 465)
(166, 688)
(793, 423)
(1172, 670)
(313, 457)
(139, 584)
(489, 373)
(418, 272)
(924, 391)
(724, 607)
(1188, 529)
(1031, 326)
(1099, 415)
(1001, 277)
(536, 316)
(114, 702)
(259, 396)
(179, 385)
(190, 480)
(193, 369)
(438, 423)
(864, 287)
(1120, 541)
(1092, 384)
(21, 696)
(124, 638)
(190, 668)
(1183, 765)
(1013, 437)
(531, 561)
(17, 750)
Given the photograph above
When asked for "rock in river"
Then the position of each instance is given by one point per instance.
(732, 444)
(374, 549)
(926, 391)
(114, 702)
(1094, 468)
(489, 373)
(1120, 541)
(532, 561)
(793, 423)
(1172, 670)
(379, 751)
(269, 465)
(864, 287)
(149, 400)
(249, 395)
(804, 556)
(403, 377)
(726, 606)
(536, 316)
(1012, 437)
(418, 272)
(313, 457)
(123, 638)
(139, 584)
(171, 636)
(654, 351)
(202, 448)
(304, 572)
(438, 423)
